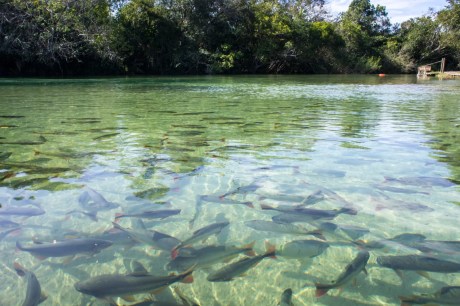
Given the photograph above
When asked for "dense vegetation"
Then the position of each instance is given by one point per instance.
(71, 37)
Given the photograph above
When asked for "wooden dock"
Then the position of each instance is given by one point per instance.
(452, 73)
(426, 71)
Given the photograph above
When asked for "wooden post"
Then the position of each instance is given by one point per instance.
(443, 64)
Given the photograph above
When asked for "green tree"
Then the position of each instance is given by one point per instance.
(53, 34)
(449, 19)
(420, 40)
(365, 29)
(146, 39)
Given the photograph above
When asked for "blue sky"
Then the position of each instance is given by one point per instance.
(398, 10)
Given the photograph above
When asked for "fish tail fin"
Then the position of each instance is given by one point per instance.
(250, 251)
(266, 207)
(188, 279)
(187, 276)
(20, 270)
(270, 250)
(175, 252)
(320, 290)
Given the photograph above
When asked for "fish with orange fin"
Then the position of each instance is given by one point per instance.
(155, 239)
(235, 269)
(139, 281)
(357, 265)
(34, 294)
(208, 256)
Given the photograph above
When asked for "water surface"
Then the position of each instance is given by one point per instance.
(386, 147)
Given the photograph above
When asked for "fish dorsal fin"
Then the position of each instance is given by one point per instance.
(138, 269)
(158, 235)
(139, 224)
(424, 274)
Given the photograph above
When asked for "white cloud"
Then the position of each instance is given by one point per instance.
(398, 10)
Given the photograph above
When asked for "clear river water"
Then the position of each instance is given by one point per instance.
(315, 170)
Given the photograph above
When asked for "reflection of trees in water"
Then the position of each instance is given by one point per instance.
(358, 117)
(444, 128)
(176, 128)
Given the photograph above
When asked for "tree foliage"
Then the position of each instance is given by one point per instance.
(52, 34)
(45, 37)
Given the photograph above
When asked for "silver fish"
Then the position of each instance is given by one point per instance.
(424, 181)
(65, 247)
(93, 201)
(155, 239)
(201, 234)
(357, 265)
(270, 226)
(150, 214)
(242, 190)
(399, 190)
(302, 249)
(34, 294)
(284, 198)
(309, 215)
(207, 256)
(394, 204)
(449, 295)
(344, 231)
(222, 200)
(21, 211)
(407, 239)
(281, 208)
(438, 246)
(230, 271)
(112, 285)
(418, 263)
